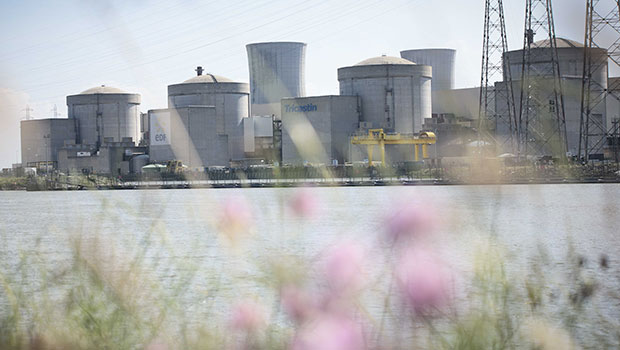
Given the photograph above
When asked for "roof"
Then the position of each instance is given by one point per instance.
(384, 60)
(561, 43)
(103, 90)
(207, 78)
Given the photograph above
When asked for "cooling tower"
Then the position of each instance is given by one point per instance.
(442, 61)
(277, 70)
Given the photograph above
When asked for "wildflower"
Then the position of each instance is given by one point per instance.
(235, 217)
(157, 345)
(344, 267)
(409, 219)
(329, 332)
(422, 281)
(247, 316)
(297, 304)
(304, 203)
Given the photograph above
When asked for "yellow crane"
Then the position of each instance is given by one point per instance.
(379, 137)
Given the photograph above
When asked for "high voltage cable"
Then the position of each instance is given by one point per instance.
(188, 50)
(100, 57)
(300, 30)
(69, 35)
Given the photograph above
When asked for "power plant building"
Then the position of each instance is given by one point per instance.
(395, 93)
(388, 93)
(41, 139)
(317, 129)
(104, 113)
(277, 70)
(570, 56)
(203, 124)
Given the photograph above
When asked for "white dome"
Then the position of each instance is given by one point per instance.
(207, 78)
(103, 90)
(383, 60)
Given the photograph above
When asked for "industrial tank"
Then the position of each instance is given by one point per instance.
(104, 114)
(395, 92)
(230, 99)
(442, 61)
(277, 70)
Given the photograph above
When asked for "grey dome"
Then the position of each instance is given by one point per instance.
(384, 60)
(561, 43)
(103, 90)
(207, 78)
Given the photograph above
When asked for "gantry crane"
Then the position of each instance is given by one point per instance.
(380, 138)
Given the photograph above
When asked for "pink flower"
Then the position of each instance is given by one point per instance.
(409, 219)
(422, 281)
(247, 316)
(304, 202)
(344, 270)
(156, 345)
(330, 332)
(235, 217)
(297, 304)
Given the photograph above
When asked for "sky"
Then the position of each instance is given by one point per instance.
(51, 49)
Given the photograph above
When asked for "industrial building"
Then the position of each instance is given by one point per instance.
(317, 129)
(104, 113)
(98, 136)
(570, 56)
(388, 93)
(203, 124)
(277, 71)
(41, 139)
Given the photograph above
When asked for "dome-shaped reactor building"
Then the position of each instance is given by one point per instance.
(104, 114)
(395, 93)
(570, 58)
(203, 123)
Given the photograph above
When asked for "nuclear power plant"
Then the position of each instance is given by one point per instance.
(553, 99)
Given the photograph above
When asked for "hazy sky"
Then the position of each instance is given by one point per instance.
(51, 49)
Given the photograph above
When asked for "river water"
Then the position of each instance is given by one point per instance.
(174, 232)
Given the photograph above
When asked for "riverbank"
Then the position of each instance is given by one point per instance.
(319, 176)
(275, 183)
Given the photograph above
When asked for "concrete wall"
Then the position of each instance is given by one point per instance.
(101, 116)
(42, 138)
(317, 129)
(572, 109)
(256, 127)
(191, 136)
(443, 62)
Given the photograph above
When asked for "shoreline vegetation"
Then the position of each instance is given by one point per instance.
(320, 176)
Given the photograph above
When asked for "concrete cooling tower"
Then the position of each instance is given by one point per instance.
(442, 61)
(277, 70)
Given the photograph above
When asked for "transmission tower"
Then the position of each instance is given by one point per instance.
(496, 102)
(28, 110)
(602, 22)
(542, 121)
